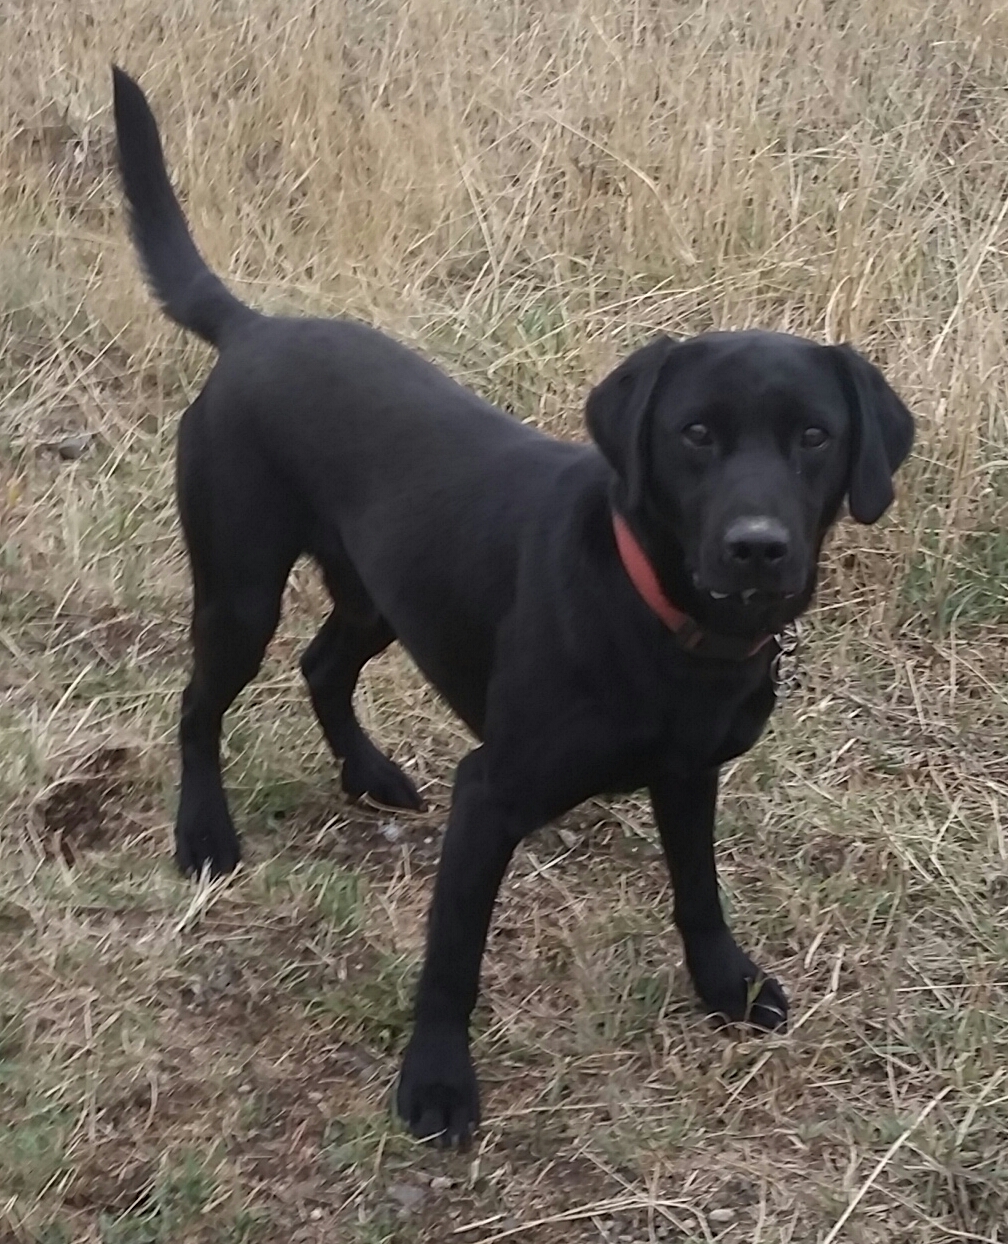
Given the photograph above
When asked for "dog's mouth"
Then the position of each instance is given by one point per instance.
(747, 598)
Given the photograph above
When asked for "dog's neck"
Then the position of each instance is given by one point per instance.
(687, 631)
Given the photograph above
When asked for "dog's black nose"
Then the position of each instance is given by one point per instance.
(756, 543)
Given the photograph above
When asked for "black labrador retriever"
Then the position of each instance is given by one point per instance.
(600, 616)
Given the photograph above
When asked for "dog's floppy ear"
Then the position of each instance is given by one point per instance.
(882, 432)
(616, 413)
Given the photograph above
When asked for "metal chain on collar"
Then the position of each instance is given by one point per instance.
(784, 668)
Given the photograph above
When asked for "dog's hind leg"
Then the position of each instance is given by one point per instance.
(230, 632)
(331, 665)
(241, 549)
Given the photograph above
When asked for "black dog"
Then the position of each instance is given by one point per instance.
(602, 621)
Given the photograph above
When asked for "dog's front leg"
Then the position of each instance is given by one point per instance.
(438, 1094)
(727, 980)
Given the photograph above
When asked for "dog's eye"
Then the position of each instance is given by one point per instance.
(814, 438)
(698, 434)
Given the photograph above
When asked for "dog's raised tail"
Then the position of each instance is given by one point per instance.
(178, 275)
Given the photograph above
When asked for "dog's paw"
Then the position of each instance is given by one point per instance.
(437, 1095)
(205, 835)
(731, 986)
(366, 771)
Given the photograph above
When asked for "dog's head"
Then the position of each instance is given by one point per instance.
(734, 452)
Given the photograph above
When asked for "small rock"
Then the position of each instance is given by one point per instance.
(72, 447)
(720, 1217)
(391, 831)
(409, 1196)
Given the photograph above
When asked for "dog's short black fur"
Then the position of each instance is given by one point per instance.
(487, 549)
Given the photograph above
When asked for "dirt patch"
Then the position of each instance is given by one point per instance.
(100, 1184)
(83, 810)
(359, 835)
(114, 634)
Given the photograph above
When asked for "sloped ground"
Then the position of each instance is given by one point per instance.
(524, 192)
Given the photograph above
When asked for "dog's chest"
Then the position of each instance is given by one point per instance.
(713, 717)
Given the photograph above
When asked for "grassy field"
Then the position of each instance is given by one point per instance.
(523, 191)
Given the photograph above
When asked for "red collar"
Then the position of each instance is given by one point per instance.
(688, 632)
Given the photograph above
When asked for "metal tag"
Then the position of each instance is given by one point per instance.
(785, 665)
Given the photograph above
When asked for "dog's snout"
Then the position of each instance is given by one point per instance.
(756, 542)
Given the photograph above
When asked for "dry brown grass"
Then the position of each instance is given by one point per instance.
(523, 190)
